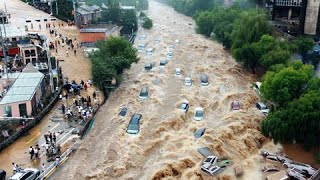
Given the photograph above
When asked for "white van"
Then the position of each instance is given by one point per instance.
(33, 35)
(140, 47)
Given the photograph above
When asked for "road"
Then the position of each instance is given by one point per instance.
(165, 146)
(74, 67)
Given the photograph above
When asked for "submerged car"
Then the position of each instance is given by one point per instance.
(148, 66)
(123, 111)
(198, 113)
(188, 81)
(170, 54)
(263, 108)
(305, 168)
(296, 173)
(178, 72)
(204, 80)
(257, 86)
(184, 106)
(270, 168)
(143, 93)
(134, 124)
(149, 51)
(199, 132)
(235, 105)
(76, 87)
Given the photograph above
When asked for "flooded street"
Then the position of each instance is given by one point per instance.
(165, 146)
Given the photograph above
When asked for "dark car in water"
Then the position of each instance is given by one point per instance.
(134, 124)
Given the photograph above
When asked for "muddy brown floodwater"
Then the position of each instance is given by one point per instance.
(165, 147)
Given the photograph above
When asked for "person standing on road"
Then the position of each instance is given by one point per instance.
(75, 52)
(94, 94)
(54, 137)
(14, 168)
(50, 137)
(36, 153)
(31, 152)
(67, 52)
(43, 168)
(57, 161)
(63, 109)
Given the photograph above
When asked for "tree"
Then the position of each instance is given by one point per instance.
(129, 22)
(114, 55)
(286, 84)
(248, 28)
(299, 122)
(302, 45)
(204, 23)
(113, 13)
(147, 23)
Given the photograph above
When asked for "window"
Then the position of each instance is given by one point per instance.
(33, 52)
(26, 176)
(7, 111)
(27, 53)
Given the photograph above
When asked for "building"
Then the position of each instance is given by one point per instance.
(93, 34)
(28, 53)
(296, 16)
(13, 35)
(24, 95)
(85, 14)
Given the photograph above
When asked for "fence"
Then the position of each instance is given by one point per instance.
(53, 166)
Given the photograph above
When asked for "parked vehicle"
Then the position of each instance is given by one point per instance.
(188, 81)
(284, 159)
(123, 111)
(26, 174)
(263, 108)
(143, 93)
(204, 80)
(212, 170)
(198, 113)
(305, 168)
(235, 105)
(134, 124)
(209, 165)
(281, 175)
(209, 161)
(270, 168)
(76, 87)
(296, 173)
(199, 132)
(184, 106)
(272, 158)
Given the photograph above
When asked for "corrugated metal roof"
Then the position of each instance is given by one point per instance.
(23, 88)
(14, 31)
(93, 30)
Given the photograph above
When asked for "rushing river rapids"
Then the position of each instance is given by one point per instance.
(165, 146)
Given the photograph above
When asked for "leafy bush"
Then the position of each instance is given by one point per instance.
(147, 24)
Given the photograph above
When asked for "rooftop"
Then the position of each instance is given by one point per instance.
(24, 87)
(13, 31)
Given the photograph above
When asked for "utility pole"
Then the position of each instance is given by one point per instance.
(56, 7)
(50, 68)
(74, 13)
(5, 47)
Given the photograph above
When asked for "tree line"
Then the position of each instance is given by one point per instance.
(289, 85)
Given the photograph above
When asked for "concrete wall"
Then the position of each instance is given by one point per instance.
(310, 25)
(15, 108)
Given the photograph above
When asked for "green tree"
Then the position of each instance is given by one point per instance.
(114, 55)
(204, 23)
(286, 84)
(129, 21)
(248, 28)
(299, 122)
(147, 24)
(302, 45)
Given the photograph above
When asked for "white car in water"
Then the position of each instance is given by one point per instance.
(263, 108)
(188, 81)
(305, 168)
(198, 113)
